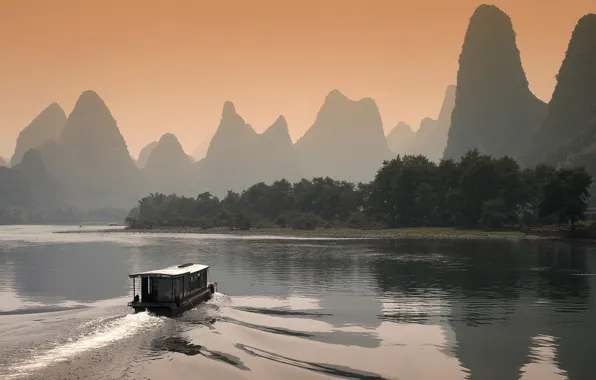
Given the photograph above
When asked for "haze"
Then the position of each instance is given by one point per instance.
(169, 66)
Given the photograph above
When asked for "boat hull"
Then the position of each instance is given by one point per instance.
(173, 309)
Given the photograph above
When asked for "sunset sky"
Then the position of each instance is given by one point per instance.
(168, 66)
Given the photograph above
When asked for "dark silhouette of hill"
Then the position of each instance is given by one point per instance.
(46, 126)
(431, 138)
(93, 162)
(169, 169)
(346, 141)
(400, 137)
(569, 130)
(495, 111)
(144, 154)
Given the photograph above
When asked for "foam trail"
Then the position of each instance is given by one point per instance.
(102, 336)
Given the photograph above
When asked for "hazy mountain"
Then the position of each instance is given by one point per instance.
(13, 190)
(276, 154)
(230, 163)
(46, 126)
(201, 151)
(430, 139)
(144, 154)
(495, 111)
(95, 164)
(42, 186)
(28, 183)
(3, 162)
(570, 127)
(346, 141)
(399, 138)
(168, 168)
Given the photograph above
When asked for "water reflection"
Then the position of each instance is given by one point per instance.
(501, 309)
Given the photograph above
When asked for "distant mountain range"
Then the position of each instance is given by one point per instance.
(431, 137)
(82, 160)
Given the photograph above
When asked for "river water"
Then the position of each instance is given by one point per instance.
(298, 308)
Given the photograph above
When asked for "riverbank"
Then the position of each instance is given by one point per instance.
(339, 233)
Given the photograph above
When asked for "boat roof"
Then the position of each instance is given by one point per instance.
(176, 270)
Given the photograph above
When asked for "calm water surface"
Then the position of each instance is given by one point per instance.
(298, 308)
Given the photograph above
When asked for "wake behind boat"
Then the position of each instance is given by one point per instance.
(171, 291)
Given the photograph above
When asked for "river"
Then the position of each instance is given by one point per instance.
(298, 308)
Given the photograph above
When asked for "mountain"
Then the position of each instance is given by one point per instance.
(346, 141)
(201, 151)
(168, 168)
(230, 163)
(144, 154)
(3, 162)
(570, 127)
(399, 138)
(276, 154)
(495, 111)
(46, 126)
(28, 183)
(95, 165)
(431, 138)
(42, 187)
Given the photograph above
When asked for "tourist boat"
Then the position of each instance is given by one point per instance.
(173, 290)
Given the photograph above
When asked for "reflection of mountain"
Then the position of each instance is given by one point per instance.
(574, 334)
(85, 272)
(492, 289)
(493, 297)
(311, 268)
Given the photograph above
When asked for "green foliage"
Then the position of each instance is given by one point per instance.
(408, 191)
(566, 195)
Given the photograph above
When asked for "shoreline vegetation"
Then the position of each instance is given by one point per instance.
(422, 233)
(331, 233)
(476, 197)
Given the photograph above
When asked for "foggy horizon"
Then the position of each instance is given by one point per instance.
(170, 68)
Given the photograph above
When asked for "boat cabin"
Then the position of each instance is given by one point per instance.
(171, 288)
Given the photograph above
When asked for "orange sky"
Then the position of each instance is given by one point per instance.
(168, 66)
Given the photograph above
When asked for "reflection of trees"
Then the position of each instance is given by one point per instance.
(327, 271)
(491, 287)
(573, 323)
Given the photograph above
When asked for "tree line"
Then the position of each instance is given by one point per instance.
(477, 191)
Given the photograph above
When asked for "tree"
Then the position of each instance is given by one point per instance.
(566, 195)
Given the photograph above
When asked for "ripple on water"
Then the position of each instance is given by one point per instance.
(100, 334)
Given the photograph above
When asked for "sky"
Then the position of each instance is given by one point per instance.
(168, 66)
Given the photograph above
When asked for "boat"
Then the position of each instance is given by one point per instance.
(173, 290)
